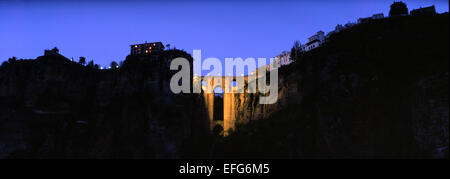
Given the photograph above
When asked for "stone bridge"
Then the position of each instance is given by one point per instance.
(230, 95)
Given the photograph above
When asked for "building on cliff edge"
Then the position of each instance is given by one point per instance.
(146, 48)
(423, 11)
(314, 41)
(55, 53)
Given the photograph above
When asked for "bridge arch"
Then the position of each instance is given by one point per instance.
(209, 84)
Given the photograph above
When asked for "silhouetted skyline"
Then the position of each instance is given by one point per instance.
(102, 31)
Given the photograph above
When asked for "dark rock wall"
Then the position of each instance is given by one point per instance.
(377, 90)
(54, 108)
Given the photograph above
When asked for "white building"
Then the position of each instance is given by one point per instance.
(314, 41)
(319, 36)
(285, 58)
(312, 45)
(277, 60)
(281, 60)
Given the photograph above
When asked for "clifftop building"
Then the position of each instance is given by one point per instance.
(314, 41)
(55, 53)
(398, 9)
(423, 11)
(146, 48)
(367, 19)
(378, 16)
(281, 60)
(320, 36)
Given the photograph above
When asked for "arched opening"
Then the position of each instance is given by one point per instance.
(218, 104)
(234, 83)
(218, 91)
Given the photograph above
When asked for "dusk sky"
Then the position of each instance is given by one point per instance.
(102, 31)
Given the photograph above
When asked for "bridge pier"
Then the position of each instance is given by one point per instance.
(229, 108)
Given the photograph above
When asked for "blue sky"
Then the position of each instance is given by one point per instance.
(103, 30)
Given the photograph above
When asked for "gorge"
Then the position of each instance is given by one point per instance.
(368, 92)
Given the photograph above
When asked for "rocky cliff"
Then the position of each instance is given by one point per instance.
(51, 107)
(377, 90)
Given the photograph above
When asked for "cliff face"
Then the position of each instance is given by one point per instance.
(379, 89)
(247, 105)
(51, 107)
